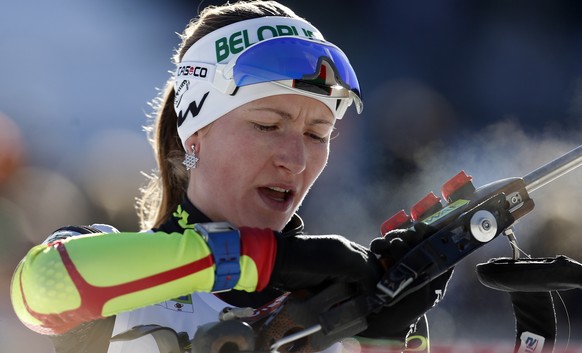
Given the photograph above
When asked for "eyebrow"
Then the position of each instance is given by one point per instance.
(288, 116)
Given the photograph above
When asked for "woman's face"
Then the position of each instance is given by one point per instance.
(258, 161)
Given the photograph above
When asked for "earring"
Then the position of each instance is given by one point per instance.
(190, 160)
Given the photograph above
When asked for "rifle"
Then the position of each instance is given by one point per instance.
(471, 218)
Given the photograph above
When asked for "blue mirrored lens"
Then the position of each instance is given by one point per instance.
(284, 58)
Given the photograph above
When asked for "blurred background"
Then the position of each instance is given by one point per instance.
(490, 87)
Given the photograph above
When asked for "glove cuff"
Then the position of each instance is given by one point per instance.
(258, 251)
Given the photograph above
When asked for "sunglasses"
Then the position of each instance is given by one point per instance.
(309, 66)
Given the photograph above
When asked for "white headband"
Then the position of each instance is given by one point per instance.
(198, 103)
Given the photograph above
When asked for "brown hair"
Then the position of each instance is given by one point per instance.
(167, 186)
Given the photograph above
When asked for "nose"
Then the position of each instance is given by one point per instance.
(291, 154)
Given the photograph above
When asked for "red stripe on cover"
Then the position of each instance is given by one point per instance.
(261, 246)
(93, 298)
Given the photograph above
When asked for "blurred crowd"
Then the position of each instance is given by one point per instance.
(491, 87)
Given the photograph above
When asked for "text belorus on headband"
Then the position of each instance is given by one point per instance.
(240, 40)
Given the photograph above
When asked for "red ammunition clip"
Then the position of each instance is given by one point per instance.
(426, 206)
(459, 186)
(398, 221)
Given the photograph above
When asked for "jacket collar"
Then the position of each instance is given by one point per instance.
(186, 215)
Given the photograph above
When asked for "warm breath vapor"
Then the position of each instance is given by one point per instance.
(505, 150)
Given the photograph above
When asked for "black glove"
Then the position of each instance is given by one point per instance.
(313, 262)
(395, 321)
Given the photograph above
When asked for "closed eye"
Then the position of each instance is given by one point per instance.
(317, 138)
(263, 127)
(268, 127)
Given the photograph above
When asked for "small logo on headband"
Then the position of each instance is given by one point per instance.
(189, 70)
(193, 108)
(180, 92)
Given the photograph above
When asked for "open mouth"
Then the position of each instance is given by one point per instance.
(277, 194)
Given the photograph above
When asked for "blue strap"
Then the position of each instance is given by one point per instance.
(224, 242)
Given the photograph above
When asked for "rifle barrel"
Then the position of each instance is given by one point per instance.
(553, 170)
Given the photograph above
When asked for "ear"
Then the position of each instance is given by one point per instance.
(196, 138)
(192, 141)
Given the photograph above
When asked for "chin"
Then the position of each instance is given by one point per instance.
(276, 224)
